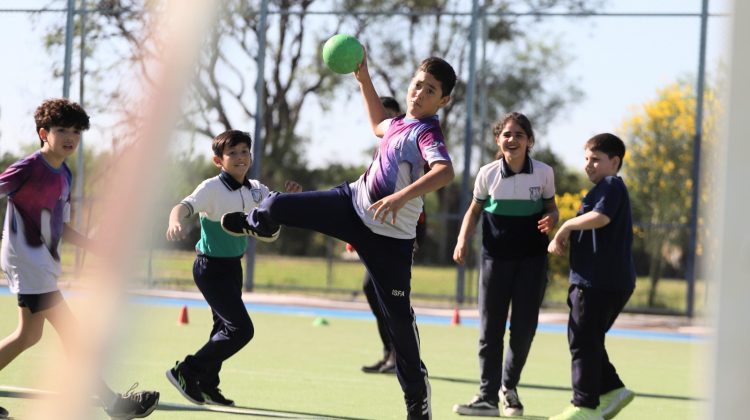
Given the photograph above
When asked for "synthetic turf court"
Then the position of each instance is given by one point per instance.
(293, 369)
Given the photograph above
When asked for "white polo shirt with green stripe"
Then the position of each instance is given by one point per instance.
(214, 197)
(513, 203)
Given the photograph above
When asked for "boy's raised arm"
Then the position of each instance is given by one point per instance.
(374, 108)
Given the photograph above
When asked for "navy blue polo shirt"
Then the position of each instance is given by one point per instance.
(601, 258)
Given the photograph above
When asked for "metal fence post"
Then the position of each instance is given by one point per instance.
(468, 138)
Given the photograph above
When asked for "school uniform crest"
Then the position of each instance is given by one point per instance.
(535, 193)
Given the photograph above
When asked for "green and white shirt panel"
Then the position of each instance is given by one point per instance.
(213, 198)
(519, 194)
(513, 204)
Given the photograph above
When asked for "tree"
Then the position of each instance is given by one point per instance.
(658, 171)
(567, 180)
(519, 71)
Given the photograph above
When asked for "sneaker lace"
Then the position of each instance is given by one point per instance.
(131, 395)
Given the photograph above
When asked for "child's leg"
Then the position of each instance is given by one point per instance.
(210, 378)
(529, 283)
(494, 300)
(27, 333)
(65, 323)
(389, 262)
(610, 379)
(372, 299)
(220, 281)
(329, 212)
(592, 313)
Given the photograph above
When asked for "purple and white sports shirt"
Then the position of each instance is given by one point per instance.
(38, 206)
(408, 144)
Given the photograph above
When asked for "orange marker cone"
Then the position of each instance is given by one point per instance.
(456, 320)
(183, 318)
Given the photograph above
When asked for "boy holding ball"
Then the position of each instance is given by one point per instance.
(378, 213)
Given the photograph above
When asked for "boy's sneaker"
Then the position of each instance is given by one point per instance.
(373, 368)
(389, 365)
(215, 397)
(236, 224)
(186, 383)
(478, 406)
(613, 401)
(133, 405)
(579, 413)
(420, 408)
(512, 406)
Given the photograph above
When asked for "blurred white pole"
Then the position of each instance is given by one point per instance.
(729, 261)
(179, 33)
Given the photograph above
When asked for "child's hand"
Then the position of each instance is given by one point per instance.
(559, 244)
(460, 252)
(362, 73)
(175, 232)
(292, 187)
(387, 205)
(547, 223)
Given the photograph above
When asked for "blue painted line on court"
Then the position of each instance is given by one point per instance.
(422, 319)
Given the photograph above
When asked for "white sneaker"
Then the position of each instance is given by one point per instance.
(613, 401)
(478, 406)
(512, 406)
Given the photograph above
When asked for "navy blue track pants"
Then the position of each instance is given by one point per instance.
(502, 283)
(592, 313)
(220, 282)
(388, 260)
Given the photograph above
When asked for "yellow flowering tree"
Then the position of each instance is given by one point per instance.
(658, 171)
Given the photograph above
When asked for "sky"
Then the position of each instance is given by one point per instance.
(617, 62)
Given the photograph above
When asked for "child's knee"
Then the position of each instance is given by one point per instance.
(28, 337)
(245, 332)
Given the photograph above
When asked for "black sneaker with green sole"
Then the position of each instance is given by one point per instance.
(215, 397)
(186, 383)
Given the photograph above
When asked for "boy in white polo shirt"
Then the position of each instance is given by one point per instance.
(217, 269)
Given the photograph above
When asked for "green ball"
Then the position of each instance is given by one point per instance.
(343, 53)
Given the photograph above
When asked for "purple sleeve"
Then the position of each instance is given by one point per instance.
(14, 177)
(432, 145)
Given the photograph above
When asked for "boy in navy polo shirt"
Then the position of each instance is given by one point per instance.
(217, 269)
(602, 278)
(378, 213)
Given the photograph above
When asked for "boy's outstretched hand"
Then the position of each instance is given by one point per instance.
(388, 205)
(559, 244)
(175, 231)
(292, 186)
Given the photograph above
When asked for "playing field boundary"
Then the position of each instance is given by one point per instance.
(657, 327)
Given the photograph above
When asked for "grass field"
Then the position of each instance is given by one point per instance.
(295, 369)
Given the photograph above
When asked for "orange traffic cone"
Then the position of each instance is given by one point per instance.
(456, 320)
(183, 318)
